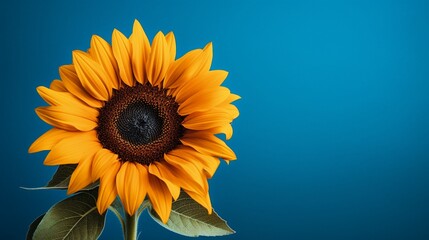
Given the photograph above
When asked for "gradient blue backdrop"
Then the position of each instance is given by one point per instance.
(333, 136)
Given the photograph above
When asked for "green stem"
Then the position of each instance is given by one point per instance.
(131, 223)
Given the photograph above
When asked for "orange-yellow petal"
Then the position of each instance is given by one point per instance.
(207, 143)
(206, 59)
(102, 52)
(190, 170)
(58, 85)
(174, 175)
(202, 200)
(73, 85)
(227, 107)
(216, 77)
(201, 64)
(233, 97)
(131, 183)
(122, 51)
(69, 102)
(189, 69)
(81, 176)
(160, 197)
(158, 61)
(202, 161)
(225, 129)
(203, 81)
(206, 120)
(49, 139)
(107, 191)
(203, 100)
(92, 76)
(178, 68)
(140, 51)
(103, 160)
(70, 150)
(217, 116)
(171, 44)
(66, 118)
(172, 186)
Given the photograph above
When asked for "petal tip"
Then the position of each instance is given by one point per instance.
(71, 189)
(170, 36)
(209, 46)
(159, 34)
(33, 148)
(101, 209)
(101, 206)
(77, 55)
(137, 24)
(40, 89)
(116, 32)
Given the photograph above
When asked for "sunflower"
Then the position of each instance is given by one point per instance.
(139, 121)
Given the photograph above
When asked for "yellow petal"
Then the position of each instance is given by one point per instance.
(122, 51)
(73, 85)
(207, 143)
(81, 176)
(102, 52)
(68, 102)
(159, 60)
(199, 64)
(217, 77)
(227, 107)
(103, 160)
(58, 85)
(222, 113)
(160, 198)
(131, 183)
(49, 139)
(178, 69)
(203, 81)
(203, 100)
(189, 169)
(225, 129)
(232, 110)
(206, 58)
(107, 191)
(171, 43)
(92, 76)
(71, 150)
(202, 161)
(66, 118)
(144, 179)
(233, 97)
(174, 175)
(140, 51)
(202, 200)
(206, 120)
(173, 187)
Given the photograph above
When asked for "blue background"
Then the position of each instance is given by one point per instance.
(333, 136)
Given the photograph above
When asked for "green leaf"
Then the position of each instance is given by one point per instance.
(190, 219)
(76, 217)
(62, 176)
(33, 227)
(61, 179)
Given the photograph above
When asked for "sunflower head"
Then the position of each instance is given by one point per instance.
(139, 120)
